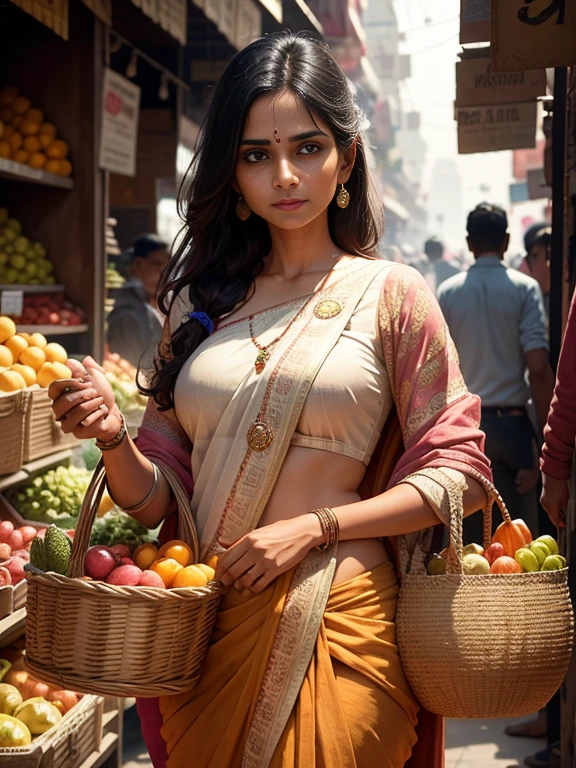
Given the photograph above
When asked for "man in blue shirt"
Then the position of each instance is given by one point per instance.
(496, 318)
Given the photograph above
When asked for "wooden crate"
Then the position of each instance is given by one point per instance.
(13, 410)
(43, 435)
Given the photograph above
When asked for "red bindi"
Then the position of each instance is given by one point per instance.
(276, 137)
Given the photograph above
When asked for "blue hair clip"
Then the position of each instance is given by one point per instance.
(204, 320)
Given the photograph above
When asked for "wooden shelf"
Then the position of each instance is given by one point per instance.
(46, 462)
(34, 288)
(12, 627)
(54, 330)
(19, 172)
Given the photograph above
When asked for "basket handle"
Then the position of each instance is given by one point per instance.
(454, 560)
(186, 526)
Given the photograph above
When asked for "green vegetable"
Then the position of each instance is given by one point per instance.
(119, 528)
(55, 497)
(57, 549)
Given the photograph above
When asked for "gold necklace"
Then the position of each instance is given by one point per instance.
(263, 354)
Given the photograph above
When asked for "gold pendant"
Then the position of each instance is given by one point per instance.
(325, 310)
(343, 198)
(260, 436)
(261, 360)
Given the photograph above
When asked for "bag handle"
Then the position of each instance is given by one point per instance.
(186, 527)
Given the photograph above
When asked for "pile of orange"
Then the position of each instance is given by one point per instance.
(27, 138)
(27, 359)
(173, 563)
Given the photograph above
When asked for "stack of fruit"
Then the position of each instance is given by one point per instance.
(28, 707)
(170, 566)
(122, 377)
(55, 497)
(22, 262)
(27, 359)
(512, 551)
(49, 309)
(27, 138)
(15, 544)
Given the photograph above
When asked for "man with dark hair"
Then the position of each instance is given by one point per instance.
(434, 249)
(496, 318)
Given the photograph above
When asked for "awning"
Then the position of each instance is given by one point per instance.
(100, 8)
(171, 15)
(51, 13)
(393, 206)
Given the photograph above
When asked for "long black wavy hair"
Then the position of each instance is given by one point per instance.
(218, 256)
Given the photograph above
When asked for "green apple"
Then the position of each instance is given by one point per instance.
(436, 566)
(554, 563)
(3, 240)
(18, 262)
(14, 225)
(40, 250)
(8, 249)
(11, 275)
(550, 543)
(22, 278)
(540, 550)
(30, 254)
(527, 560)
(475, 565)
(31, 269)
(21, 244)
(34, 281)
(9, 234)
(4, 259)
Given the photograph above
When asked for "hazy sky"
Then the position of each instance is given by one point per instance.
(431, 28)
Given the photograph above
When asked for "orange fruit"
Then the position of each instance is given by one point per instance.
(15, 141)
(4, 149)
(55, 353)
(49, 129)
(7, 95)
(37, 160)
(58, 149)
(192, 576)
(177, 550)
(45, 140)
(145, 555)
(10, 381)
(29, 127)
(34, 357)
(6, 358)
(27, 373)
(6, 115)
(49, 372)
(21, 156)
(52, 166)
(212, 562)
(16, 344)
(209, 572)
(7, 328)
(32, 144)
(17, 121)
(65, 167)
(21, 105)
(25, 336)
(167, 569)
(36, 115)
(8, 131)
(39, 340)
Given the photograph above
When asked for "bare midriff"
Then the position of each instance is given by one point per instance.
(312, 478)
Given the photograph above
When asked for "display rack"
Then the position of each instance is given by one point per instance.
(34, 288)
(19, 172)
(54, 330)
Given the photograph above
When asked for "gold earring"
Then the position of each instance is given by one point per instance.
(343, 198)
(242, 210)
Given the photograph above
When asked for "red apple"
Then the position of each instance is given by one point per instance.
(494, 551)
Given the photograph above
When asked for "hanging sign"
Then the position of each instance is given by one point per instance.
(474, 21)
(12, 303)
(478, 85)
(533, 34)
(100, 8)
(120, 110)
(495, 128)
(171, 15)
(52, 13)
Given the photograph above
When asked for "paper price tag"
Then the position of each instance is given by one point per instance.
(11, 303)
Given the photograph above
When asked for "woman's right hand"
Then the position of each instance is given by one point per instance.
(85, 405)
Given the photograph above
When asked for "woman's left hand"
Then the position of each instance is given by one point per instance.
(255, 560)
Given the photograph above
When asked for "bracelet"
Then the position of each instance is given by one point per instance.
(330, 527)
(115, 442)
(149, 495)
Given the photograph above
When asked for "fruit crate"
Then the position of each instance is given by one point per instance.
(66, 745)
(12, 598)
(13, 411)
(42, 434)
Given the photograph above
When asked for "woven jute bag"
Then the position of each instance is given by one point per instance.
(97, 638)
(494, 645)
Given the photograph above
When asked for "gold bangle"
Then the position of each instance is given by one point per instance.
(115, 442)
(329, 525)
(147, 499)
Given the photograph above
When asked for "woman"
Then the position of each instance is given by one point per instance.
(328, 377)
(135, 323)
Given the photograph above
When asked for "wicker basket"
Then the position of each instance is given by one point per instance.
(43, 435)
(13, 409)
(66, 745)
(495, 645)
(97, 638)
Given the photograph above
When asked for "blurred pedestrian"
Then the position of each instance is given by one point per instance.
(443, 269)
(496, 317)
(135, 324)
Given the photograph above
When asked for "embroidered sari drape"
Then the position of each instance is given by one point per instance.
(274, 667)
